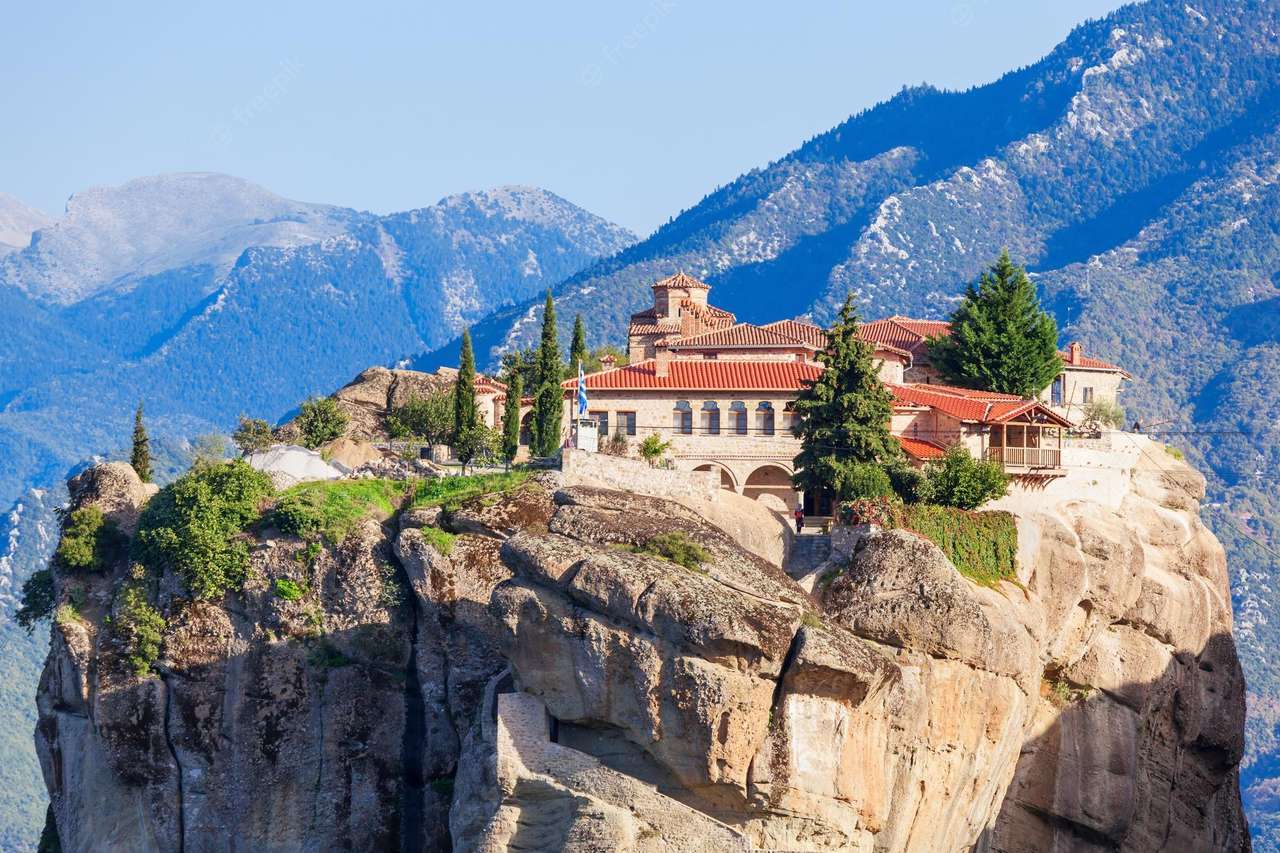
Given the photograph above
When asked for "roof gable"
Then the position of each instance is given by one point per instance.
(745, 335)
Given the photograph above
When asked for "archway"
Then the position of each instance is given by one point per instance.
(771, 480)
(726, 479)
(526, 429)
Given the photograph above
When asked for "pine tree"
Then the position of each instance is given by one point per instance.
(843, 416)
(465, 414)
(578, 354)
(547, 406)
(140, 458)
(1001, 339)
(511, 419)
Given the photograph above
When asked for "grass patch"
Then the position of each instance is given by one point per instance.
(441, 540)
(1174, 452)
(678, 548)
(325, 655)
(1062, 693)
(66, 614)
(811, 619)
(451, 492)
(332, 508)
(290, 590)
(308, 555)
(140, 628)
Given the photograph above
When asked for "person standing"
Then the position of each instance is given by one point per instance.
(799, 518)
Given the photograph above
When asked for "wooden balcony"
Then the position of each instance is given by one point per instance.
(1042, 461)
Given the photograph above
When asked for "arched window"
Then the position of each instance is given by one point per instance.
(738, 417)
(683, 418)
(765, 410)
(711, 417)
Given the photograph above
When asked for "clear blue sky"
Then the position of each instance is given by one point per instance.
(632, 110)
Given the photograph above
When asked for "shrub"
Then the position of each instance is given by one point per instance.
(863, 480)
(208, 450)
(37, 600)
(252, 435)
(653, 448)
(140, 628)
(290, 590)
(878, 510)
(89, 541)
(1174, 452)
(325, 655)
(332, 508)
(192, 526)
(907, 481)
(1104, 413)
(676, 547)
(983, 546)
(428, 418)
(961, 481)
(616, 445)
(478, 445)
(320, 420)
(453, 491)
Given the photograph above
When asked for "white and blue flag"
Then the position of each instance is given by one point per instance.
(582, 392)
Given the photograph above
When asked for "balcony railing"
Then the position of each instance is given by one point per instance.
(1026, 457)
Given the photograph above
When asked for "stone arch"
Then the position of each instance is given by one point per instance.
(771, 479)
(727, 481)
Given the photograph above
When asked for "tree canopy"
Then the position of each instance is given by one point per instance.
(1001, 339)
(843, 416)
(547, 406)
(140, 457)
(465, 414)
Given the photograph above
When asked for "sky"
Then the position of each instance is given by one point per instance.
(633, 110)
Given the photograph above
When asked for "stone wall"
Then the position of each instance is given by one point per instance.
(580, 467)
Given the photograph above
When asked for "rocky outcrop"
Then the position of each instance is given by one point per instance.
(526, 672)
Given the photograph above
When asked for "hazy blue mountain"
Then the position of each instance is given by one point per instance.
(17, 223)
(1134, 169)
(209, 297)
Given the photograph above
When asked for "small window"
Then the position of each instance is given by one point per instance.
(711, 355)
(765, 411)
(739, 417)
(626, 422)
(602, 421)
(711, 417)
(684, 418)
(1087, 395)
(1055, 391)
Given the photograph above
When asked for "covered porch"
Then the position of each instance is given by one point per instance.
(1029, 442)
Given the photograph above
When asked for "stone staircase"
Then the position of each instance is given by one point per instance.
(808, 551)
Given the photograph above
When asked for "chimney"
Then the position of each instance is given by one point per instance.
(661, 361)
(607, 361)
(1073, 353)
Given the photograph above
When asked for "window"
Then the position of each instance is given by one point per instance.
(1055, 391)
(684, 418)
(711, 417)
(765, 410)
(738, 417)
(602, 422)
(626, 422)
(711, 355)
(1087, 395)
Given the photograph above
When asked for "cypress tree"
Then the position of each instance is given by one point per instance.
(511, 419)
(578, 354)
(547, 406)
(1001, 339)
(465, 414)
(140, 458)
(843, 415)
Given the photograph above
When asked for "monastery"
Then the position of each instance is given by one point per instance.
(721, 392)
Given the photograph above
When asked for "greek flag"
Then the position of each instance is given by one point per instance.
(582, 392)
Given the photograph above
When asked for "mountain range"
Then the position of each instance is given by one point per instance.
(1135, 169)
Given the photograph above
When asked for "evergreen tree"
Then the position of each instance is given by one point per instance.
(465, 414)
(578, 354)
(547, 406)
(1001, 339)
(140, 458)
(511, 419)
(843, 416)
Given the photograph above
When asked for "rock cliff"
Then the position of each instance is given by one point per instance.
(542, 681)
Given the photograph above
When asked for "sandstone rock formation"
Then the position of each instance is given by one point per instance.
(546, 684)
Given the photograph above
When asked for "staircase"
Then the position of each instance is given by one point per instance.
(808, 551)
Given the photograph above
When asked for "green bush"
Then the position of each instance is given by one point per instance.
(140, 628)
(320, 421)
(429, 418)
(37, 600)
(333, 508)
(961, 481)
(89, 541)
(653, 448)
(1104, 413)
(907, 481)
(192, 526)
(878, 510)
(863, 480)
(982, 545)
(252, 435)
(453, 491)
(477, 445)
(676, 547)
(289, 590)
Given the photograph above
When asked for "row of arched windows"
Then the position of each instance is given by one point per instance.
(739, 421)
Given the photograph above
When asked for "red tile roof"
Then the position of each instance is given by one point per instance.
(680, 279)
(921, 449)
(741, 335)
(1088, 363)
(807, 332)
(704, 376)
(972, 406)
(903, 332)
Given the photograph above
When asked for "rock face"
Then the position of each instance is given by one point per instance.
(549, 683)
